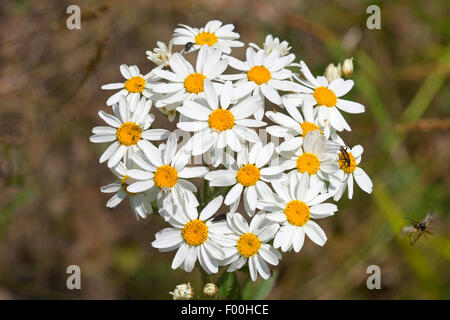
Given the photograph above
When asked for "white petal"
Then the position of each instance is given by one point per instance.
(180, 256)
(140, 186)
(139, 174)
(151, 152)
(298, 239)
(350, 106)
(315, 233)
(117, 156)
(234, 194)
(262, 267)
(116, 199)
(211, 208)
(110, 119)
(194, 111)
(265, 156)
(109, 152)
(323, 210)
(363, 180)
(271, 94)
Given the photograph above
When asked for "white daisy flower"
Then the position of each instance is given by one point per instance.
(219, 126)
(293, 206)
(316, 157)
(185, 83)
(293, 127)
(195, 237)
(249, 243)
(160, 56)
(349, 170)
(164, 173)
(326, 95)
(128, 131)
(264, 75)
(139, 202)
(214, 34)
(135, 85)
(248, 175)
(272, 44)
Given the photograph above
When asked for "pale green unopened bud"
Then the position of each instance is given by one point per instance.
(210, 290)
(183, 292)
(332, 72)
(347, 68)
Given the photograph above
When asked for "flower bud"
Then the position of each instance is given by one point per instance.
(347, 68)
(210, 289)
(183, 291)
(332, 72)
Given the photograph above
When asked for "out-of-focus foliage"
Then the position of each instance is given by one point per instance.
(52, 213)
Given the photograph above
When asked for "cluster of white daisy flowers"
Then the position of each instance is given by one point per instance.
(223, 106)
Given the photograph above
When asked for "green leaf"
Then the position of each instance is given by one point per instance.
(260, 289)
(229, 287)
(225, 285)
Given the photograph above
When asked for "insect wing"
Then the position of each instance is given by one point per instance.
(429, 217)
(408, 230)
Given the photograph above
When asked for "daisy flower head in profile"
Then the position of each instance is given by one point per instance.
(163, 172)
(293, 127)
(135, 85)
(248, 243)
(263, 75)
(128, 131)
(195, 237)
(293, 205)
(185, 82)
(327, 97)
(160, 56)
(248, 176)
(139, 202)
(349, 170)
(217, 124)
(272, 44)
(213, 34)
(316, 157)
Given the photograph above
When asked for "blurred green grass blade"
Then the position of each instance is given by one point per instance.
(365, 78)
(14, 205)
(428, 90)
(259, 289)
(439, 244)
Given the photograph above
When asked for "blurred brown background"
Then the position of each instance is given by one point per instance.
(52, 213)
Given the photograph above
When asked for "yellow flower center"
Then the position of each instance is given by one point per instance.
(195, 232)
(194, 82)
(221, 119)
(308, 127)
(248, 245)
(248, 175)
(135, 84)
(259, 74)
(325, 97)
(308, 162)
(165, 176)
(129, 133)
(125, 185)
(347, 164)
(205, 38)
(297, 213)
